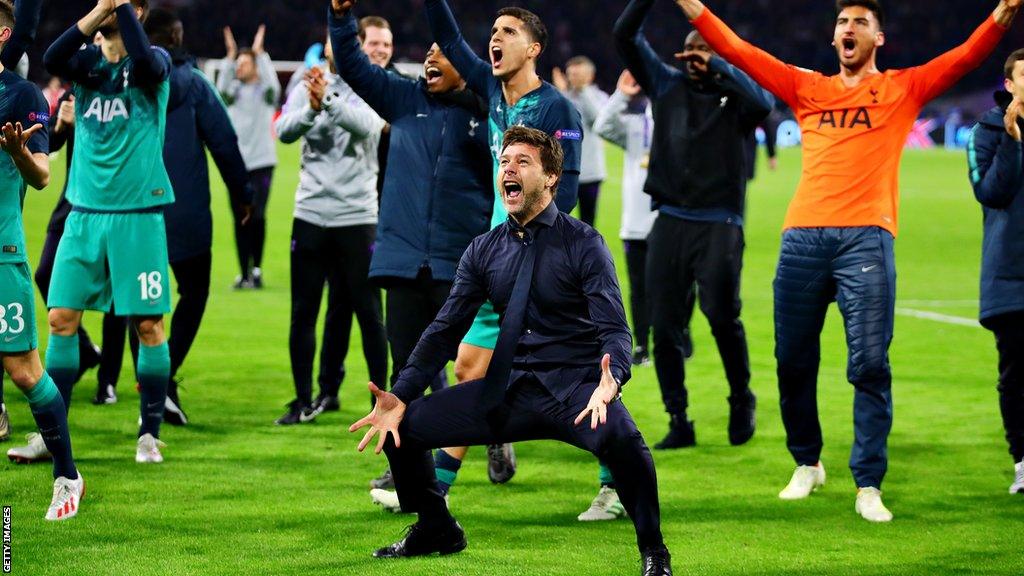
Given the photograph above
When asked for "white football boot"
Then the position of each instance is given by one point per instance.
(869, 505)
(35, 451)
(1018, 483)
(386, 499)
(148, 450)
(606, 506)
(806, 479)
(67, 497)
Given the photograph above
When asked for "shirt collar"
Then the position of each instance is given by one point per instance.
(546, 219)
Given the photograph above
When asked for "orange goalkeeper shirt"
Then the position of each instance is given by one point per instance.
(853, 138)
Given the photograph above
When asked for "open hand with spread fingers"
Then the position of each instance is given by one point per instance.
(606, 393)
(384, 419)
(14, 138)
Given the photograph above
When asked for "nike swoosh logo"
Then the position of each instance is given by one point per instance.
(422, 115)
(868, 268)
(304, 418)
(10, 339)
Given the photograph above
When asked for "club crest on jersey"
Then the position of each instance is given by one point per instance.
(568, 135)
(845, 118)
(106, 110)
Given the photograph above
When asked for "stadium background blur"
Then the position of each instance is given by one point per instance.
(797, 31)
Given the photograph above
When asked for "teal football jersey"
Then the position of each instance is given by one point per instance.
(119, 141)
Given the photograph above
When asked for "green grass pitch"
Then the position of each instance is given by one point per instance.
(238, 495)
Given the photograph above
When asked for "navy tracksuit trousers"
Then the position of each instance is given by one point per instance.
(855, 268)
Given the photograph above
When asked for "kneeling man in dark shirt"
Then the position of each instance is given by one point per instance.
(562, 356)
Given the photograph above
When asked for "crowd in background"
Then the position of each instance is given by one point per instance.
(794, 30)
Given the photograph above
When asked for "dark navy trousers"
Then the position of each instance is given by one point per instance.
(452, 417)
(855, 268)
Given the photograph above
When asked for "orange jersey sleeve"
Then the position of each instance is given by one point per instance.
(932, 79)
(771, 73)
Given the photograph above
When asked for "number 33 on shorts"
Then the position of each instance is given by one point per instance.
(17, 312)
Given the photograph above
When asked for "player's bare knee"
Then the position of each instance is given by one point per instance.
(63, 321)
(150, 329)
(24, 375)
(469, 368)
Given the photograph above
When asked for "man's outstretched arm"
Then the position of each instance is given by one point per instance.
(643, 62)
(778, 77)
(475, 70)
(939, 75)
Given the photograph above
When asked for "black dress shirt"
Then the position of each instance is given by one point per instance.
(574, 315)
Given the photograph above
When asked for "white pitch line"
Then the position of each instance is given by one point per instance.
(936, 317)
(940, 303)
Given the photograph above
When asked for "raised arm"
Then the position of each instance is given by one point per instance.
(64, 58)
(778, 77)
(475, 70)
(26, 21)
(939, 75)
(440, 341)
(650, 72)
(150, 65)
(268, 79)
(994, 159)
(390, 95)
(755, 102)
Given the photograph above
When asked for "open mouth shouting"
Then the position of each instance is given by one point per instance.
(433, 74)
(848, 48)
(496, 56)
(513, 190)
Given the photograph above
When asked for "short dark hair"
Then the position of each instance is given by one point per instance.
(246, 52)
(1011, 62)
(533, 24)
(873, 5)
(6, 14)
(160, 28)
(551, 155)
(371, 22)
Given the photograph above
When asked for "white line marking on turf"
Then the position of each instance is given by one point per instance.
(936, 317)
(940, 303)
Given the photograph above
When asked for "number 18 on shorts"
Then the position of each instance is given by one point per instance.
(118, 258)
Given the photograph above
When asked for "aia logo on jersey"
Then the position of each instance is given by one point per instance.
(845, 118)
(106, 110)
